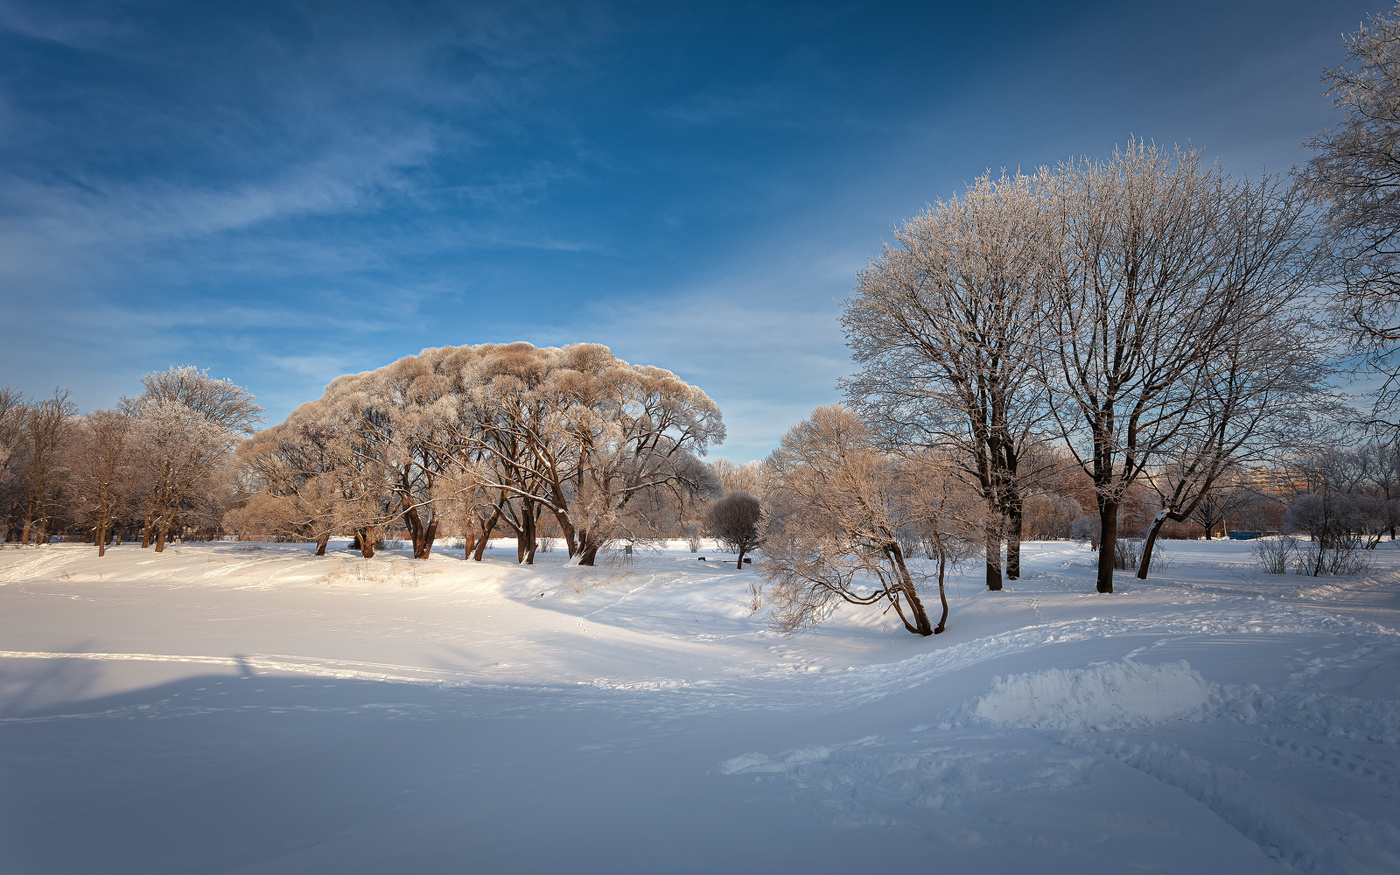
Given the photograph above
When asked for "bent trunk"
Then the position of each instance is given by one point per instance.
(942, 595)
(920, 624)
(1145, 564)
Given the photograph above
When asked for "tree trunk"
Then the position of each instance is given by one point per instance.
(1145, 564)
(942, 595)
(101, 537)
(366, 543)
(423, 549)
(487, 528)
(740, 564)
(1014, 524)
(321, 543)
(920, 624)
(1108, 544)
(525, 537)
(993, 552)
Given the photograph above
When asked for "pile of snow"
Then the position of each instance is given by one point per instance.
(1111, 696)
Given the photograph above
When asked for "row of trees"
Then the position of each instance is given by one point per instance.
(474, 439)
(1146, 312)
(155, 466)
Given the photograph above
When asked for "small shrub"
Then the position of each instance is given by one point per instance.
(1127, 554)
(1340, 558)
(1275, 555)
(755, 602)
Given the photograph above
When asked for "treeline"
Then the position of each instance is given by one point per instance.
(470, 440)
(153, 468)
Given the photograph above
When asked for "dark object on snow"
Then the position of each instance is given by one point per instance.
(1244, 536)
(748, 561)
(700, 559)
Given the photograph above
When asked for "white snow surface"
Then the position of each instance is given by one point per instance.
(252, 708)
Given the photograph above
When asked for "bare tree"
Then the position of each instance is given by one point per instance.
(1255, 398)
(734, 520)
(44, 428)
(1356, 173)
(942, 326)
(186, 425)
(11, 423)
(945, 516)
(1159, 263)
(836, 514)
(101, 471)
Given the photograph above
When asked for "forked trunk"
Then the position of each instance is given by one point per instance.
(918, 621)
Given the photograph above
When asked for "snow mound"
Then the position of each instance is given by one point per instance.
(1110, 696)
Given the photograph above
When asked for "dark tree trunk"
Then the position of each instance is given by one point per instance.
(942, 595)
(321, 543)
(525, 536)
(366, 543)
(1145, 563)
(1014, 522)
(918, 621)
(1108, 544)
(423, 546)
(993, 553)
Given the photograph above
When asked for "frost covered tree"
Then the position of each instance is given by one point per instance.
(837, 508)
(735, 520)
(501, 434)
(1356, 173)
(185, 426)
(1159, 265)
(943, 325)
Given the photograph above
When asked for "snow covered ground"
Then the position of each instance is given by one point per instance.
(255, 709)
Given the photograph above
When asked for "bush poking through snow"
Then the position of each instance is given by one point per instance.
(1275, 554)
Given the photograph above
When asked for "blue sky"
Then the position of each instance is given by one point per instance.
(283, 192)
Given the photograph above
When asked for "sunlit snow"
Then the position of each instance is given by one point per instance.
(252, 708)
